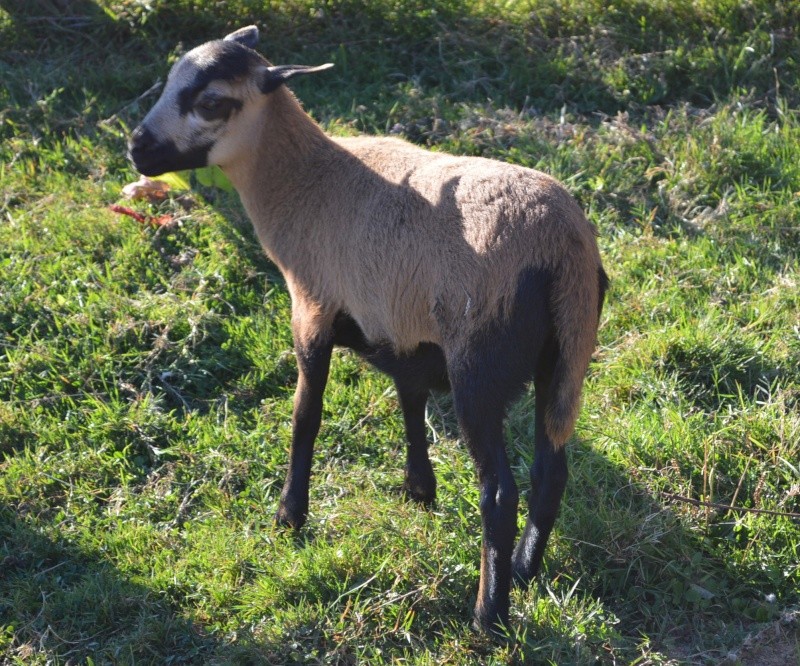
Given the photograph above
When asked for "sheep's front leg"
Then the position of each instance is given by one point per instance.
(420, 481)
(313, 361)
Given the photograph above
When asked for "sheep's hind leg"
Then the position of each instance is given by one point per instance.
(481, 424)
(548, 476)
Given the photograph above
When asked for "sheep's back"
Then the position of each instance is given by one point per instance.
(449, 238)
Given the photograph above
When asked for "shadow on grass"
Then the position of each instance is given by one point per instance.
(544, 60)
(634, 560)
(63, 604)
(658, 575)
(715, 372)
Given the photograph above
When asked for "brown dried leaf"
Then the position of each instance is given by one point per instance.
(146, 188)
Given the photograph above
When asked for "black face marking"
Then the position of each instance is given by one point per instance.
(230, 61)
(152, 157)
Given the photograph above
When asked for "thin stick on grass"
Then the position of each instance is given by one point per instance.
(728, 507)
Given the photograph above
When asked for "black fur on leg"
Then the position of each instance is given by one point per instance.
(313, 362)
(501, 360)
(415, 375)
(420, 482)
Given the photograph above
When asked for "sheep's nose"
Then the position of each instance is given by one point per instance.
(142, 139)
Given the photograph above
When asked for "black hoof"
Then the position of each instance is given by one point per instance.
(420, 483)
(422, 493)
(521, 577)
(285, 516)
(492, 626)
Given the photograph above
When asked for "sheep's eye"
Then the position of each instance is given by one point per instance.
(214, 108)
(209, 103)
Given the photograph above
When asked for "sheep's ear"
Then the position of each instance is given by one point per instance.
(247, 36)
(279, 74)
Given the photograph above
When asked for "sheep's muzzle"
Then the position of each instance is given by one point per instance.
(153, 156)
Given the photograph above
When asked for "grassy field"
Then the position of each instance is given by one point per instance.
(146, 373)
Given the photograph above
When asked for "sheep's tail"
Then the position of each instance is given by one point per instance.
(579, 295)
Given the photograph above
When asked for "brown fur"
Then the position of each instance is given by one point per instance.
(416, 246)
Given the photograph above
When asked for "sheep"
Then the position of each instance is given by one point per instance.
(446, 272)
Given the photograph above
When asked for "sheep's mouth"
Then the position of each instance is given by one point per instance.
(156, 159)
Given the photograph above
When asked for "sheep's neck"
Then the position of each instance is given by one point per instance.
(278, 170)
(277, 145)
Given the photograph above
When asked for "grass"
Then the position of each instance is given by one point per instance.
(146, 374)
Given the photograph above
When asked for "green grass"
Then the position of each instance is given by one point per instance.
(146, 374)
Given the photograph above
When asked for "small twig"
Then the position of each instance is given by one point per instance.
(741, 478)
(164, 378)
(392, 600)
(152, 90)
(39, 614)
(180, 514)
(49, 569)
(728, 507)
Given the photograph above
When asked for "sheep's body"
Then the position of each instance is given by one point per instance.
(440, 270)
(416, 246)
(421, 246)
(410, 229)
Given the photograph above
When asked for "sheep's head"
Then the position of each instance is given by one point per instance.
(201, 116)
